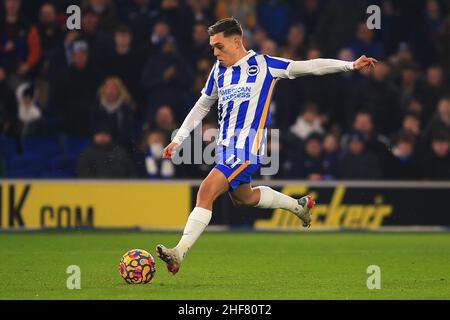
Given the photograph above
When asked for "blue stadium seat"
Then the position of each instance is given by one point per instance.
(64, 166)
(8, 147)
(26, 166)
(46, 147)
(73, 146)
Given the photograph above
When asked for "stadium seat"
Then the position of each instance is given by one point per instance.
(73, 146)
(46, 147)
(26, 166)
(63, 166)
(8, 147)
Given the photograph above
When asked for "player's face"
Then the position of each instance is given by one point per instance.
(225, 48)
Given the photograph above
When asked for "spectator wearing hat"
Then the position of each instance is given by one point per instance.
(74, 94)
(103, 158)
(436, 163)
(358, 163)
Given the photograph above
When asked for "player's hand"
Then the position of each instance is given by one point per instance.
(168, 151)
(363, 62)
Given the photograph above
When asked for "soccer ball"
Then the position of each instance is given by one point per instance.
(137, 266)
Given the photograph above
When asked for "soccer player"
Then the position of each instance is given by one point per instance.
(242, 82)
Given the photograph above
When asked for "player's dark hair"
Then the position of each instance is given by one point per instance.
(229, 27)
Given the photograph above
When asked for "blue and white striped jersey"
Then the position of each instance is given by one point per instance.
(244, 92)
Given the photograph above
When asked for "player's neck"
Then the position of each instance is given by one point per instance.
(242, 53)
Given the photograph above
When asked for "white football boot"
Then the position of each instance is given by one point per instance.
(303, 211)
(170, 257)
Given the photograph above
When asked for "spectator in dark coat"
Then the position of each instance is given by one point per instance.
(358, 163)
(376, 143)
(436, 162)
(116, 111)
(105, 159)
(440, 121)
(74, 95)
(8, 106)
(140, 15)
(312, 160)
(125, 61)
(331, 152)
(167, 77)
(403, 164)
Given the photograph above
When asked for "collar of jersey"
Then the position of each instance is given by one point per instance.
(245, 58)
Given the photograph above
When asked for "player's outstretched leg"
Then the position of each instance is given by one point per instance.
(212, 187)
(272, 199)
(267, 198)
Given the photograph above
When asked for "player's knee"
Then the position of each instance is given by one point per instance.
(241, 202)
(205, 192)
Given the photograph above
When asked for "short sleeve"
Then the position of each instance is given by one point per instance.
(278, 67)
(210, 88)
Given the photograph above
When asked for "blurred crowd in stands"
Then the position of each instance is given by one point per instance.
(103, 101)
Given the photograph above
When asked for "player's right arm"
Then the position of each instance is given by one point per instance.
(196, 115)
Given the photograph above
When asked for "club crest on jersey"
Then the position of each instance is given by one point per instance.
(252, 71)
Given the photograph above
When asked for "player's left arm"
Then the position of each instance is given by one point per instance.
(320, 67)
(285, 68)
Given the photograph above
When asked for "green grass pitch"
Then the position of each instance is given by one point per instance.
(230, 265)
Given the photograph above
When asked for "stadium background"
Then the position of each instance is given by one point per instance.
(101, 103)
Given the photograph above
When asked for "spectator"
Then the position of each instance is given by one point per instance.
(403, 163)
(125, 61)
(312, 162)
(411, 124)
(140, 16)
(164, 121)
(167, 77)
(50, 33)
(358, 163)
(375, 143)
(274, 16)
(8, 106)
(295, 48)
(74, 95)
(365, 43)
(440, 121)
(199, 48)
(105, 159)
(30, 120)
(331, 152)
(434, 89)
(180, 18)
(379, 96)
(155, 166)
(115, 111)
(106, 12)
(437, 162)
(243, 10)
(20, 48)
(307, 122)
(269, 47)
